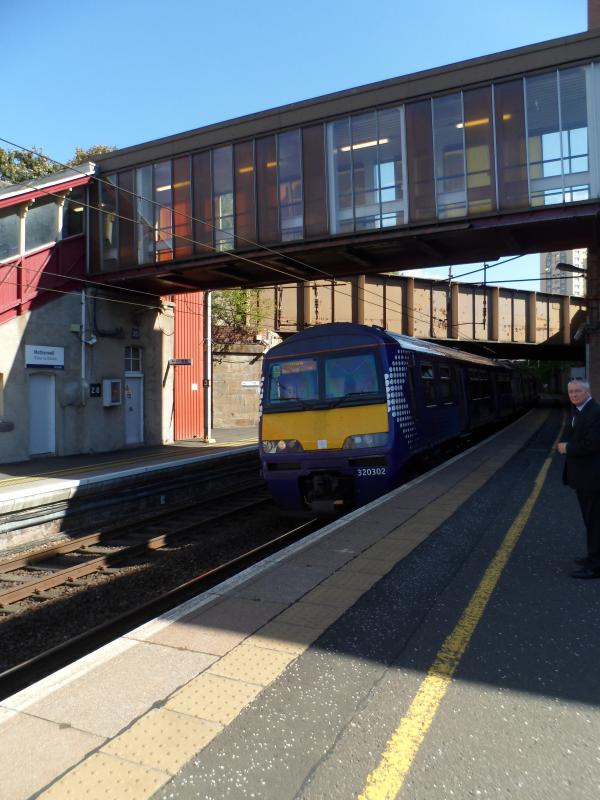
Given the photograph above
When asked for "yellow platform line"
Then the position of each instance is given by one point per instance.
(81, 469)
(388, 777)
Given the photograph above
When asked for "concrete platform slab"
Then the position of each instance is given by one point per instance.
(34, 751)
(221, 627)
(283, 636)
(284, 584)
(105, 700)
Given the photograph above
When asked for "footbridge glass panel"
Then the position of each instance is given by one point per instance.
(515, 144)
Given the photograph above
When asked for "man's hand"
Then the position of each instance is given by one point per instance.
(562, 448)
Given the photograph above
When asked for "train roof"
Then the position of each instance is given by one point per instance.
(322, 337)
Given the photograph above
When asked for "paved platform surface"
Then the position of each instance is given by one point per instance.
(58, 465)
(38, 481)
(432, 645)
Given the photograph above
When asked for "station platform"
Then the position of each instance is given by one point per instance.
(30, 484)
(430, 645)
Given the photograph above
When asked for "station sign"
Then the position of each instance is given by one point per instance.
(37, 355)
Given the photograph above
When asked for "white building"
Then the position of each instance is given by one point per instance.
(556, 281)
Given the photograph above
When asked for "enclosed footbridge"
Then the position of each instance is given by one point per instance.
(472, 161)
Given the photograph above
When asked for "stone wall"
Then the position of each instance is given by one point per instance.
(236, 385)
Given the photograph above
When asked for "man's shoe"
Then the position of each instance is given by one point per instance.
(586, 572)
(584, 561)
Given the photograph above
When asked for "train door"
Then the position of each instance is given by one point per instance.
(429, 403)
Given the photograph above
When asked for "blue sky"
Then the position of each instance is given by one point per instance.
(88, 72)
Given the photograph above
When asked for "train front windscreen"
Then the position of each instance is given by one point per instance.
(323, 381)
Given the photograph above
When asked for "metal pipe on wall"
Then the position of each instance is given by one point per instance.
(82, 392)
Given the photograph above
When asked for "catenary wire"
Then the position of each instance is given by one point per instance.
(328, 276)
(191, 218)
(424, 316)
(294, 278)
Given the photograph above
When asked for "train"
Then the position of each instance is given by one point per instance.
(347, 409)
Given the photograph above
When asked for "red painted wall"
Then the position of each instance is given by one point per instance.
(189, 401)
(29, 281)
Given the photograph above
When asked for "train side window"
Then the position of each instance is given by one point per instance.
(446, 386)
(486, 384)
(474, 384)
(414, 406)
(428, 383)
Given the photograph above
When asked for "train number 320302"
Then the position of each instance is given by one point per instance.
(370, 472)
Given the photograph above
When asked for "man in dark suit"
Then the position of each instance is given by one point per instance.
(582, 470)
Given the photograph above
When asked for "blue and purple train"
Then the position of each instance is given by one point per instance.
(346, 410)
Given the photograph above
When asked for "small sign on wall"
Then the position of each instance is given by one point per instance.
(251, 383)
(38, 355)
(95, 390)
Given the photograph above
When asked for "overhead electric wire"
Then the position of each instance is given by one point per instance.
(184, 216)
(425, 317)
(487, 266)
(294, 278)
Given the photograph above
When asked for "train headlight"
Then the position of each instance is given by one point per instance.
(282, 446)
(365, 440)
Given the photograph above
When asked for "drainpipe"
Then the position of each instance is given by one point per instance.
(82, 337)
(207, 382)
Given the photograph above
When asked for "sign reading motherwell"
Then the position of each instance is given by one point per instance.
(40, 355)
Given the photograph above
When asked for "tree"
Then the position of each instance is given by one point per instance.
(17, 166)
(237, 315)
(90, 154)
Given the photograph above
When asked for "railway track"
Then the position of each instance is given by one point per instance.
(133, 497)
(238, 512)
(35, 574)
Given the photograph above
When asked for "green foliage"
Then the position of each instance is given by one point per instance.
(237, 315)
(17, 166)
(90, 154)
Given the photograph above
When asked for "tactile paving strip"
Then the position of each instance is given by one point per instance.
(214, 698)
(252, 664)
(163, 739)
(104, 777)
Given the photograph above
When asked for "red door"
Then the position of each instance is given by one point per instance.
(188, 395)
